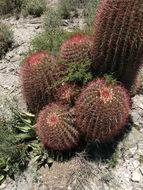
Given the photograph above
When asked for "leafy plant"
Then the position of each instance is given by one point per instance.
(49, 40)
(66, 6)
(51, 18)
(6, 38)
(33, 7)
(8, 6)
(89, 12)
(17, 141)
(76, 72)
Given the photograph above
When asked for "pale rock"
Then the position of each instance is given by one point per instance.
(136, 164)
(2, 186)
(15, 58)
(136, 177)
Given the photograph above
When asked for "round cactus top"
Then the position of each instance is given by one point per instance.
(36, 57)
(52, 119)
(76, 38)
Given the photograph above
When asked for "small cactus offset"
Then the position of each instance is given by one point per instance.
(36, 79)
(102, 110)
(76, 49)
(67, 93)
(118, 39)
(56, 127)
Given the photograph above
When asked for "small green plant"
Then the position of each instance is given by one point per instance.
(66, 6)
(6, 38)
(33, 7)
(110, 78)
(89, 12)
(6, 6)
(52, 18)
(49, 40)
(76, 72)
(113, 160)
(18, 144)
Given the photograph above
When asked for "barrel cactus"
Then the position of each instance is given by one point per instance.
(136, 85)
(76, 49)
(102, 110)
(67, 93)
(36, 79)
(56, 127)
(118, 39)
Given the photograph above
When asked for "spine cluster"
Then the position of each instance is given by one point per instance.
(102, 110)
(36, 78)
(118, 32)
(56, 127)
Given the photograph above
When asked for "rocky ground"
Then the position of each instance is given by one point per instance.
(128, 172)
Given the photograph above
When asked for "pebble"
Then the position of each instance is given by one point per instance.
(136, 163)
(2, 186)
(16, 58)
(136, 177)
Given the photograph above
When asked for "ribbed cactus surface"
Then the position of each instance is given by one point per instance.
(36, 76)
(67, 93)
(118, 39)
(136, 85)
(56, 127)
(76, 48)
(102, 110)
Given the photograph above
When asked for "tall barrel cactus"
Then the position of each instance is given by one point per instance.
(118, 39)
(76, 49)
(36, 77)
(56, 127)
(102, 110)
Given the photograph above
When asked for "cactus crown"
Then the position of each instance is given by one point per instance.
(76, 48)
(36, 57)
(56, 127)
(67, 93)
(102, 110)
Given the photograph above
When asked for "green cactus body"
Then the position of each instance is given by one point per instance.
(56, 127)
(102, 110)
(76, 49)
(118, 39)
(67, 93)
(36, 78)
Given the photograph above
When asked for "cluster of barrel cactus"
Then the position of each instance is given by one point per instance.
(99, 110)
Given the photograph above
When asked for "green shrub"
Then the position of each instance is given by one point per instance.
(52, 18)
(66, 6)
(7, 6)
(49, 40)
(6, 38)
(89, 12)
(33, 7)
(18, 144)
(76, 72)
